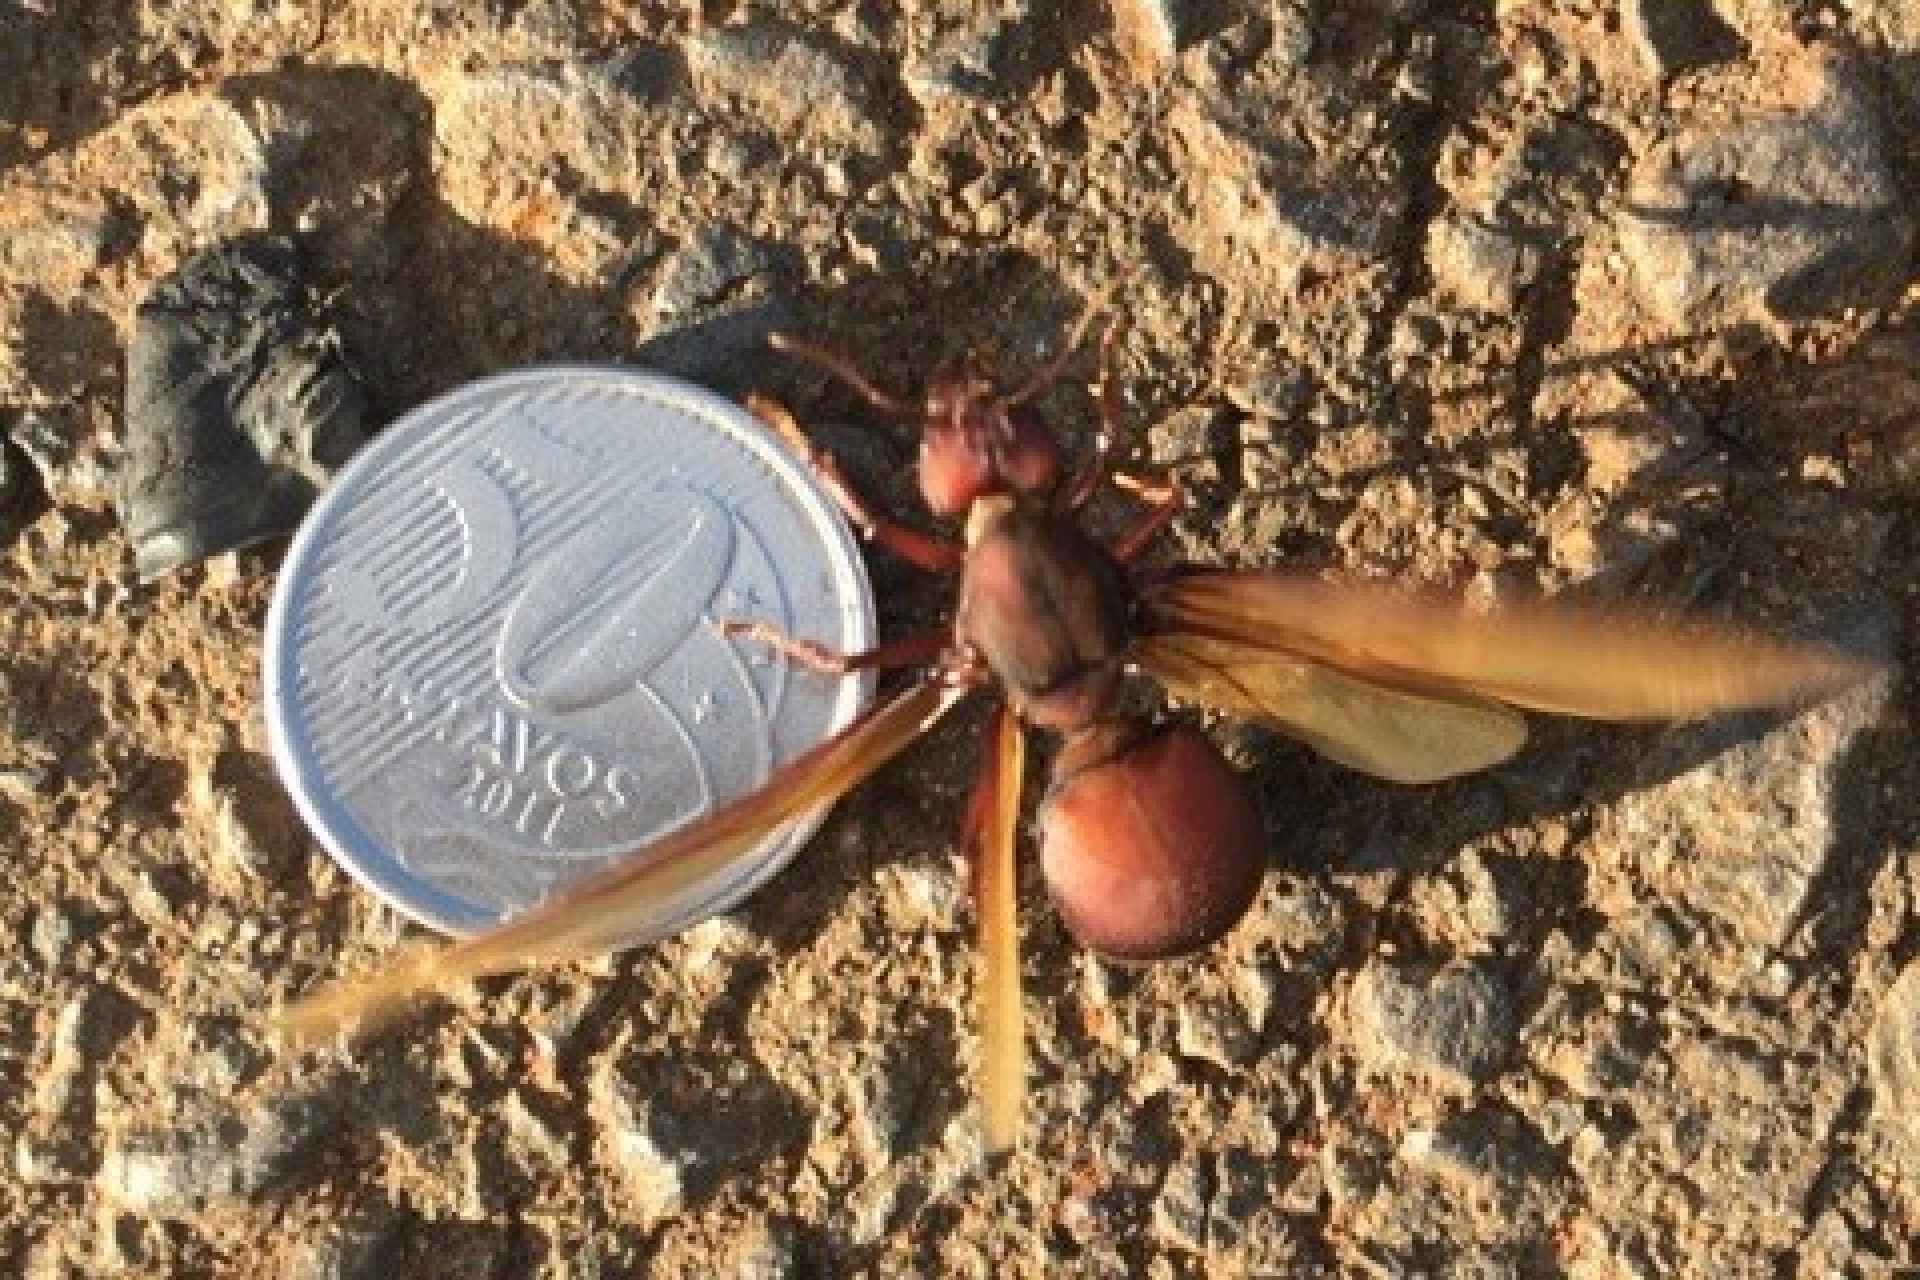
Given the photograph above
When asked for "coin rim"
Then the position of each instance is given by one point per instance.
(337, 828)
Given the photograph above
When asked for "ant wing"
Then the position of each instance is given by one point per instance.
(597, 916)
(1616, 664)
(993, 814)
(1390, 733)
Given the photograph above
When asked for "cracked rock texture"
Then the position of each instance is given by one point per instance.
(1542, 296)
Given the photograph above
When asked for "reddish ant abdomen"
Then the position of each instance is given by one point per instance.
(1152, 848)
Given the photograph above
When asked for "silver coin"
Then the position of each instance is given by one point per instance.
(491, 665)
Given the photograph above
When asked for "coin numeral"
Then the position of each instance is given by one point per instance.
(520, 806)
(519, 775)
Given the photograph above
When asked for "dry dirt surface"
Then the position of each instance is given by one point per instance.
(1611, 297)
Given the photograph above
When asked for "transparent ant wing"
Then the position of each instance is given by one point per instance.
(1392, 734)
(595, 917)
(1354, 668)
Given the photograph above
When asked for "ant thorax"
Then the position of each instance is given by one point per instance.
(1047, 607)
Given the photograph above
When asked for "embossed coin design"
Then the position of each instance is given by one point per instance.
(491, 668)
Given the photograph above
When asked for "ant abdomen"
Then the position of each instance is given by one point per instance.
(1149, 844)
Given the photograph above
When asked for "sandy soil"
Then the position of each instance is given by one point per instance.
(1539, 296)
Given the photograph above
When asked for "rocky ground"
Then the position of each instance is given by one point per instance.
(1607, 296)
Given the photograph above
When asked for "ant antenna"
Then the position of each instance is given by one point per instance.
(840, 367)
(1051, 371)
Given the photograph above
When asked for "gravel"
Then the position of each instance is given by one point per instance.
(1536, 298)
(1456, 1024)
(1785, 210)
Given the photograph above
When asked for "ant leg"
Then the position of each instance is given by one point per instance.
(1164, 501)
(1108, 438)
(840, 367)
(914, 547)
(907, 651)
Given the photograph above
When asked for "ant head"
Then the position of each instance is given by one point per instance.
(974, 442)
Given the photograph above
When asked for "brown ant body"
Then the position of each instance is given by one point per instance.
(1149, 843)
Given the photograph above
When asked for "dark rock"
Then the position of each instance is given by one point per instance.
(53, 438)
(650, 74)
(353, 1249)
(1745, 836)
(23, 494)
(962, 64)
(448, 1249)
(1720, 1113)
(221, 1154)
(1245, 1216)
(709, 270)
(670, 1150)
(1181, 1209)
(1483, 267)
(1218, 1032)
(714, 305)
(789, 82)
(1224, 1206)
(766, 1252)
(240, 404)
(62, 1137)
(1672, 36)
(1592, 1051)
(1280, 392)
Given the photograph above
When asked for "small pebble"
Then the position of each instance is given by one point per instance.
(1457, 1023)
(224, 1154)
